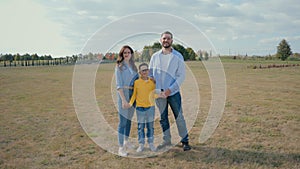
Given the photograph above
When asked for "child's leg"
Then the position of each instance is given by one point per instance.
(150, 124)
(141, 126)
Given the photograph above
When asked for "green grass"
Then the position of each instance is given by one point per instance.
(259, 129)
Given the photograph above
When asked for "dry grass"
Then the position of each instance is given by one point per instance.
(259, 129)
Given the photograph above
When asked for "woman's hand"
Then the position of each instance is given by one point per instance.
(125, 104)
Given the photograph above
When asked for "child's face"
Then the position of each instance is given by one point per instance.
(144, 71)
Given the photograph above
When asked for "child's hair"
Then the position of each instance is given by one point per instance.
(142, 64)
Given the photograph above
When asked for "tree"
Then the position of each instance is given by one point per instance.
(206, 55)
(283, 50)
(181, 50)
(156, 47)
(200, 55)
(191, 53)
(146, 53)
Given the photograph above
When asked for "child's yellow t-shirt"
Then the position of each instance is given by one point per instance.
(143, 93)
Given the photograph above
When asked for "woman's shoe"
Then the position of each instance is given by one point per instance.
(122, 152)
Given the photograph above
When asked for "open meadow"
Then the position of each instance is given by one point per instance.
(260, 127)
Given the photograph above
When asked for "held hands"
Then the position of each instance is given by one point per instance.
(164, 94)
(125, 104)
(161, 95)
(167, 92)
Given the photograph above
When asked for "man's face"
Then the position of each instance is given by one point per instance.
(166, 40)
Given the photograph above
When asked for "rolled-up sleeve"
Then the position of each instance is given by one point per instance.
(179, 73)
(119, 81)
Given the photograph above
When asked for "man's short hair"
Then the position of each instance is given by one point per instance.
(167, 32)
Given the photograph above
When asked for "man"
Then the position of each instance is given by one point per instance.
(168, 69)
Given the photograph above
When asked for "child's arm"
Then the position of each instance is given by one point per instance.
(133, 97)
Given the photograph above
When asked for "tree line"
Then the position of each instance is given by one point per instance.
(34, 60)
(187, 53)
(283, 52)
(145, 55)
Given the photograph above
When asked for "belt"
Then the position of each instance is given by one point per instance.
(127, 87)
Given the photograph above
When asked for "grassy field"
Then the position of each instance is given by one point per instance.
(260, 127)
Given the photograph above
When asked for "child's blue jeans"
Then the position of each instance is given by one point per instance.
(145, 117)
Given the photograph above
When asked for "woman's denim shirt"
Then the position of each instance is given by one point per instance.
(124, 76)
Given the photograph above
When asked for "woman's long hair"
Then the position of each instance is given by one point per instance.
(120, 59)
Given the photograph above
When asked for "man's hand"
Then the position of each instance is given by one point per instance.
(167, 92)
(162, 95)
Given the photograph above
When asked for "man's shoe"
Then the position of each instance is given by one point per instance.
(186, 146)
(164, 144)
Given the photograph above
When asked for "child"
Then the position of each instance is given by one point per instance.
(143, 94)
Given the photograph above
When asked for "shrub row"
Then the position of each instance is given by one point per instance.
(272, 66)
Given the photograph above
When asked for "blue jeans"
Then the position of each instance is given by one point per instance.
(145, 117)
(125, 116)
(175, 103)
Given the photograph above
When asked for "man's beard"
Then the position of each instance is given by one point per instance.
(167, 45)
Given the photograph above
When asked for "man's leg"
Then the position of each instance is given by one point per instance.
(164, 121)
(175, 104)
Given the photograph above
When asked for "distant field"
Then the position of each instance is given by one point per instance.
(260, 127)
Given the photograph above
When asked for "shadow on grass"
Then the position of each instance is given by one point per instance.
(226, 156)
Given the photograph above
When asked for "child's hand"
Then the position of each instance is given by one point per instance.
(127, 106)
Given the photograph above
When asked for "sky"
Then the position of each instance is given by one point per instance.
(228, 27)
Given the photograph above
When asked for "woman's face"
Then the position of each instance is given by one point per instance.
(127, 54)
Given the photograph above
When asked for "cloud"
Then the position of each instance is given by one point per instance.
(25, 30)
(226, 22)
(278, 39)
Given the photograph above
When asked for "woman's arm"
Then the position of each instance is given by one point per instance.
(125, 103)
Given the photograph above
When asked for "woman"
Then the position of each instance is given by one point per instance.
(125, 71)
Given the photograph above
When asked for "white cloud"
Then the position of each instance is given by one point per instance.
(82, 12)
(278, 39)
(26, 30)
(241, 24)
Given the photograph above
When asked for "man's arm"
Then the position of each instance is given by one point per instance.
(151, 67)
(179, 75)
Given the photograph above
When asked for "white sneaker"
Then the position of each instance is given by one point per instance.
(141, 148)
(122, 152)
(152, 147)
(129, 145)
